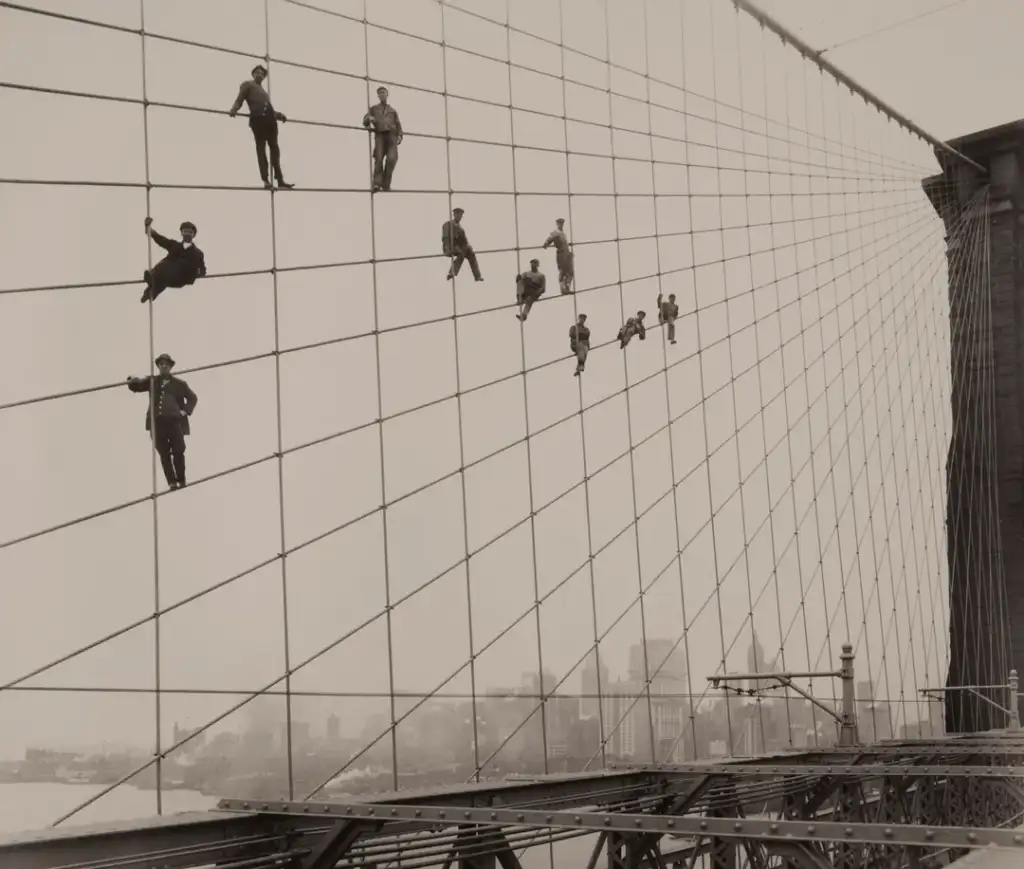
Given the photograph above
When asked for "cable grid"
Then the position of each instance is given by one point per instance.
(817, 325)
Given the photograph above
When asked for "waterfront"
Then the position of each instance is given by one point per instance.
(30, 806)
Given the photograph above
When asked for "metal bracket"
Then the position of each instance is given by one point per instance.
(846, 719)
(335, 842)
(1012, 712)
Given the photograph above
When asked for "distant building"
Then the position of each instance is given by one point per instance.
(333, 729)
(757, 662)
(594, 681)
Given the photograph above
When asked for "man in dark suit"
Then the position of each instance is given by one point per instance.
(181, 267)
(171, 403)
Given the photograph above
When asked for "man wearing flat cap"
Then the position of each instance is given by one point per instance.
(530, 286)
(171, 403)
(563, 256)
(181, 267)
(455, 244)
(387, 136)
(263, 118)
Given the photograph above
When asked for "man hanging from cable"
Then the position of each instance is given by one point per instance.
(579, 343)
(563, 256)
(456, 245)
(667, 313)
(182, 266)
(263, 123)
(171, 403)
(530, 286)
(633, 326)
(387, 136)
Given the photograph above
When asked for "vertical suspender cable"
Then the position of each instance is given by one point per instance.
(542, 689)
(625, 372)
(458, 405)
(760, 394)
(289, 761)
(713, 523)
(758, 707)
(157, 681)
(579, 389)
(380, 427)
(668, 403)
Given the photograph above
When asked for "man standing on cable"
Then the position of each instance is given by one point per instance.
(563, 256)
(387, 130)
(171, 403)
(668, 311)
(530, 286)
(181, 267)
(263, 123)
(455, 244)
(579, 343)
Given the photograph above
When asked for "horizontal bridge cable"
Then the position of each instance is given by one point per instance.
(327, 342)
(633, 523)
(579, 53)
(350, 633)
(400, 695)
(433, 402)
(626, 528)
(334, 125)
(880, 158)
(855, 563)
(956, 261)
(799, 521)
(668, 236)
(271, 560)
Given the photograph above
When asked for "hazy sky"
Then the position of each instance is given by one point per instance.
(808, 391)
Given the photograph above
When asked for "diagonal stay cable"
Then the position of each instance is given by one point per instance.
(792, 539)
(257, 357)
(336, 529)
(16, 7)
(340, 640)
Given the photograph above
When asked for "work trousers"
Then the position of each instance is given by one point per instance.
(466, 253)
(385, 158)
(169, 441)
(264, 132)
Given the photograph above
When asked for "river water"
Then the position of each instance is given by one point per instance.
(29, 806)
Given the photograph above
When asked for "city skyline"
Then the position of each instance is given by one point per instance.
(397, 490)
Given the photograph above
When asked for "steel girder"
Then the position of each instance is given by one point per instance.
(913, 803)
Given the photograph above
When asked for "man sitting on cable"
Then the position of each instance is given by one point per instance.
(182, 266)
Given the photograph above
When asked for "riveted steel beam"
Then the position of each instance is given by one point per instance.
(804, 831)
(866, 770)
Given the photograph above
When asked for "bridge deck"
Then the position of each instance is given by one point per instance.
(950, 795)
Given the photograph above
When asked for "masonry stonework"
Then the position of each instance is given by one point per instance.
(985, 464)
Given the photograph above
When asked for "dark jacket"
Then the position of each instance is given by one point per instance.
(533, 283)
(453, 238)
(181, 266)
(178, 389)
(666, 309)
(383, 119)
(578, 335)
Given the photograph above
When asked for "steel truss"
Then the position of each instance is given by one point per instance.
(914, 803)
